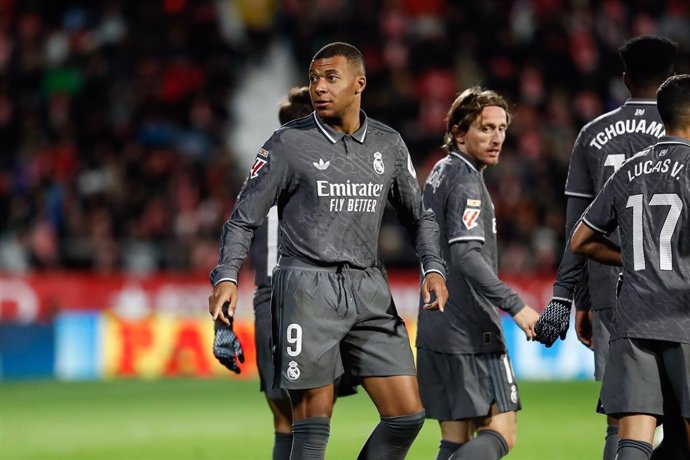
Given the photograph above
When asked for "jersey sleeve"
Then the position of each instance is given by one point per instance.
(463, 211)
(601, 214)
(572, 266)
(467, 260)
(406, 198)
(580, 182)
(268, 175)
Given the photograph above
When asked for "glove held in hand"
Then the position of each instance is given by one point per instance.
(226, 346)
(553, 322)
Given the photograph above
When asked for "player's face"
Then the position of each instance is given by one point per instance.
(484, 139)
(335, 87)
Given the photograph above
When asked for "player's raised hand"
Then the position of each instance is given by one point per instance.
(526, 320)
(224, 292)
(226, 346)
(553, 322)
(434, 284)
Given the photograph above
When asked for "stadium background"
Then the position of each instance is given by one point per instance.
(126, 131)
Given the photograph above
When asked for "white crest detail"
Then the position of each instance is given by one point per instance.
(513, 394)
(321, 165)
(378, 163)
(410, 166)
(293, 371)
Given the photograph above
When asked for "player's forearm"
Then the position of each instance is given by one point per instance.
(570, 269)
(467, 260)
(595, 246)
(235, 242)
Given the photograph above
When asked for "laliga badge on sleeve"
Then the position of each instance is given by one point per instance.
(469, 218)
(256, 167)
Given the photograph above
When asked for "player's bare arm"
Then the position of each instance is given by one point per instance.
(225, 291)
(590, 243)
(436, 284)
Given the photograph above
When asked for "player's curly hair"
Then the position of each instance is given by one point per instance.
(466, 108)
(297, 105)
(648, 59)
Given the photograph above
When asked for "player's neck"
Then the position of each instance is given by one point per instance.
(683, 132)
(348, 123)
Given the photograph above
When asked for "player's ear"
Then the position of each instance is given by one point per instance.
(360, 84)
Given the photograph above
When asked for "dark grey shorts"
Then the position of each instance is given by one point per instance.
(462, 386)
(327, 320)
(264, 353)
(640, 372)
(602, 322)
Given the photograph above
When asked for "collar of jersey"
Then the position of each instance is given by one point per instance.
(633, 101)
(673, 140)
(334, 136)
(466, 158)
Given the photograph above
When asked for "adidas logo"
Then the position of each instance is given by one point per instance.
(321, 164)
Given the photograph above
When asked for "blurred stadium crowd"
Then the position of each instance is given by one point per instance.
(114, 152)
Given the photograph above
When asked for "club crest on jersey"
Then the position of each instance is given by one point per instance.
(378, 163)
(321, 165)
(293, 371)
(469, 218)
(256, 167)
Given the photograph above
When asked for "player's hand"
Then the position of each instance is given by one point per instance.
(526, 319)
(553, 322)
(224, 292)
(583, 327)
(226, 346)
(434, 284)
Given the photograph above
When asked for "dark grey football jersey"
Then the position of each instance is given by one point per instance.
(456, 192)
(263, 254)
(600, 149)
(330, 190)
(648, 199)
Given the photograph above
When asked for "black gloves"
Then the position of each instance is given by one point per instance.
(226, 346)
(553, 322)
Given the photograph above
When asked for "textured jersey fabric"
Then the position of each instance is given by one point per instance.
(648, 200)
(600, 149)
(263, 254)
(456, 192)
(331, 190)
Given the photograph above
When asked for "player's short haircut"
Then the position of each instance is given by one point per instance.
(673, 101)
(297, 105)
(466, 108)
(349, 52)
(648, 59)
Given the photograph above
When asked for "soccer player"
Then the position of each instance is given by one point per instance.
(599, 150)
(648, 200)
(330, 174)
(465, 376)
(264, 256)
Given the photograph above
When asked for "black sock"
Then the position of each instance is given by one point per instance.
(282, 445)
(629, 449)
(611, 442)
(309, 438)
(446, 449)
(392, 437)
(487, 445)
